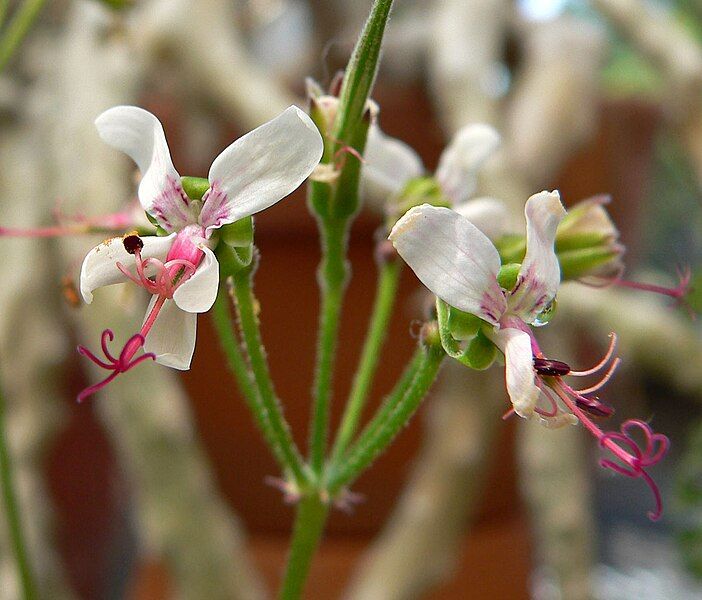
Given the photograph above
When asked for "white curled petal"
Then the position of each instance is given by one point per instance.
(487, 214)
(459, 163)
(453, 258)
(540, 274)
(519, 369)
(388, 165)
(139, 134)
(172, 336)
(100, 265)
(260, 168)
(198, 293)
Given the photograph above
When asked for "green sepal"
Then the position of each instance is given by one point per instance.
(512, 248)
(580, 263)
(239, 234)
(507, 275)
(160, 231)
(480, 354)
(346, 199)
(417, 191)
(463, 325)
(232, 260)
(195, 187)
(578, 241)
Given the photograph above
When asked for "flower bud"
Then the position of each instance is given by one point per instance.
(587, 241)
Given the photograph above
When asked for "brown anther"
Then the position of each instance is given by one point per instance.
(594, 407)
(551, 368)
(132, 242)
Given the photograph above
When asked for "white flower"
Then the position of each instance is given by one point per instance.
(459, 264)
(181, 270)
(390, 164)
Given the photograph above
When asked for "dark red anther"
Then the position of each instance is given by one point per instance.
(551, 368)
(132, 243)
(594, 407)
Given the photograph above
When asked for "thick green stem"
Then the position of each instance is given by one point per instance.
(386, 292)
(269, 409)
(383, 429)
(12, 513)
(333, 276)
(17, 29)
(310, 519)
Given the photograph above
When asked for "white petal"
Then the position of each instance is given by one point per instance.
(540, 274)
(519, 369)
(197, 294)
(452, 258)
(487, 214)
(388, 165)
(261, 167)
(172, 337)
(139, 134)
(100, 265)
(459, 163)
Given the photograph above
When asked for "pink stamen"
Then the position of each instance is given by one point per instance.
(168, 276)
(608, 375)
(633, 459)
(122, 364)
(603, 362)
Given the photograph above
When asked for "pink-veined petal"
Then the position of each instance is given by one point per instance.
(261, 168)
(139, 134)
(100, 265)
(457, 172)
(198, 293)
(540, 274)
(519, 369)
(389, 165)
(487, 214)
(172, 336)
(453, 258)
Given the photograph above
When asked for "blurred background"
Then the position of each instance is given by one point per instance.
(157, 487)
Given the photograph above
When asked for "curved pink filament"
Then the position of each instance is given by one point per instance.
(602, 382)
(603, 362)
(116, 365)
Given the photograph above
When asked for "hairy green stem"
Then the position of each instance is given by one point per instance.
(224, 326)
(269, 409)
(386, 292)
(310, 519)
(17, 29)
(391, 400)
(333, 276)
(12, 513)
(360, 73)
(381, 433)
